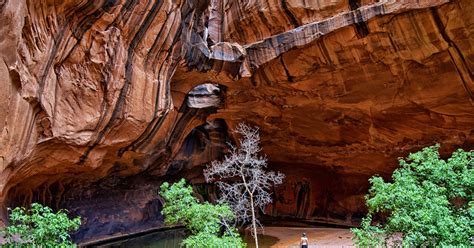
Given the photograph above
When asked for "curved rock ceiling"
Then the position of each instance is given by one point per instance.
(94, 106)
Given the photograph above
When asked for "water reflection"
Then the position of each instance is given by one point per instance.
(159, 239)
(263, 240)
(172, 238)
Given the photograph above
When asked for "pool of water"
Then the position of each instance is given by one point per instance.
(161, 238)
(263, 240)
(172, 238)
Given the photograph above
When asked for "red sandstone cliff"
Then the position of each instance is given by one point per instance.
(97, 101)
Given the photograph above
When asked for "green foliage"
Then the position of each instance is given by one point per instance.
(203, 220)
(39, 226)
(429, 203)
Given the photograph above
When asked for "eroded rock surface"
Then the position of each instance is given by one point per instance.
(103, 100)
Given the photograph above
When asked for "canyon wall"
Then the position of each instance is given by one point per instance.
(103, 100)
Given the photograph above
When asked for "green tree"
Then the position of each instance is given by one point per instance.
(429, 203)
(203, 220)
(38, 226)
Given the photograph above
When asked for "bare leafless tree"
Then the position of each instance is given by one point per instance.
(242, 180)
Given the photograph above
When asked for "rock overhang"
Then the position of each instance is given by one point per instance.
(99, 96)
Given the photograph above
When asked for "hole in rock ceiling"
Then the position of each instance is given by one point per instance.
(205, 96)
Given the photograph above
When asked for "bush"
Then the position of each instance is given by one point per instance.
(429, 203)
(38, 226)
(203, 220)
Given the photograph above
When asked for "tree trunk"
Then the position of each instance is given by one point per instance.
(254, 222)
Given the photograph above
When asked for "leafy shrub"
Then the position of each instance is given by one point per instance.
(38, 226)
(429, 203)
(203, 220)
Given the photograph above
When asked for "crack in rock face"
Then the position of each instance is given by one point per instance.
(102, 101)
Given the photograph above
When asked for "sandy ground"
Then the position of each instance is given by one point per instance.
(318, 237)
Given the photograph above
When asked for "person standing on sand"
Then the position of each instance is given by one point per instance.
(304, 241)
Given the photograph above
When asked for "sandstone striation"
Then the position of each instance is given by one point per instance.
(103, 100)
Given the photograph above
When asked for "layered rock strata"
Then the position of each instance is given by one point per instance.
(102, 100)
